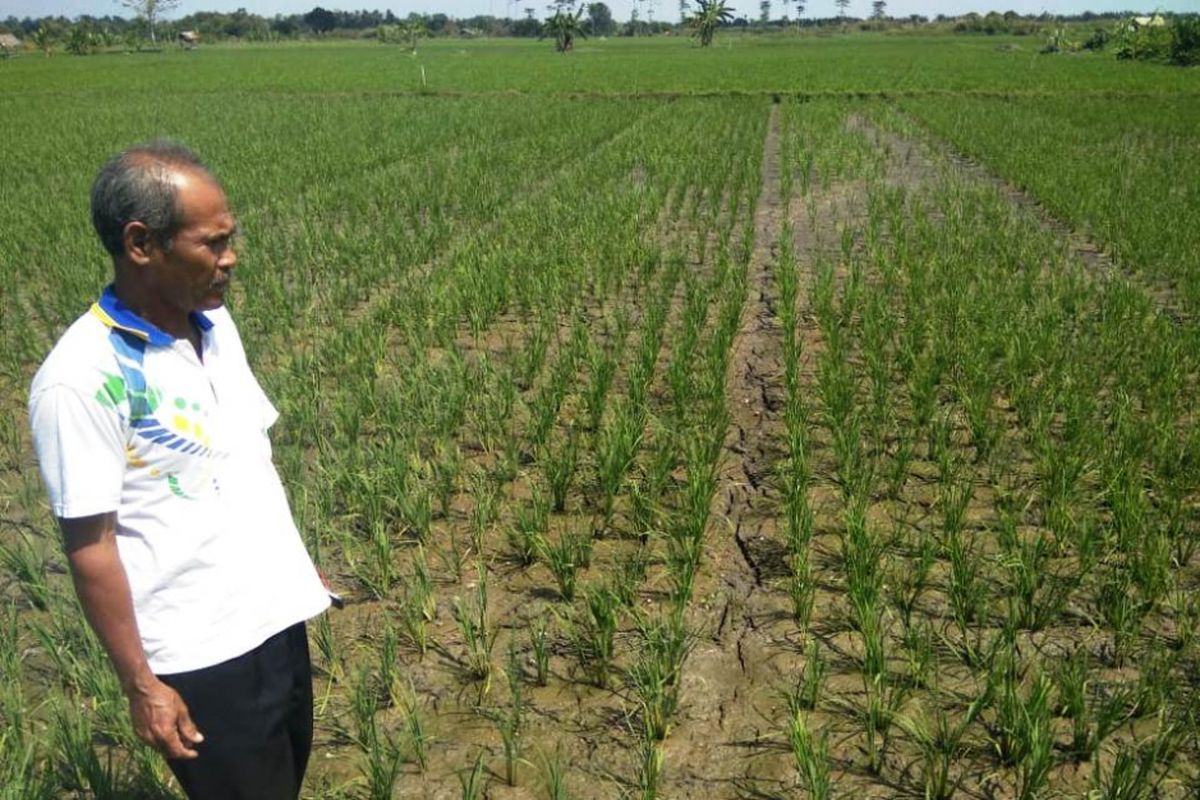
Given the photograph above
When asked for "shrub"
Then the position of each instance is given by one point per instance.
(1185, 40)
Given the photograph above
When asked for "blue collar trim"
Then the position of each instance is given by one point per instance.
(115, 314)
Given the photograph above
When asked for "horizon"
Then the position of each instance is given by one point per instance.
(657, 10)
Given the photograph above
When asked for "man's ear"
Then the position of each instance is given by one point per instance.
(139, 243)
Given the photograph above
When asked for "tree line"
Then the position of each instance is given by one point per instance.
(88, 32)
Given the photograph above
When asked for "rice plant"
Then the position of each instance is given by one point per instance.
(528, 529)
(473, 780)
(591, 631)
(655, 676)
(539, 641)
(474, 624)
(941, 744)
(564, 556)
(810, 753)
(419, 607)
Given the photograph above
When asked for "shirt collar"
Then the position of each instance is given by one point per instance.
(115, 314)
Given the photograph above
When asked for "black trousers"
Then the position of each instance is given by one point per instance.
(255, 712)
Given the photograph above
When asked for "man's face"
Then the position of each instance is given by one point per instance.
(194, 272)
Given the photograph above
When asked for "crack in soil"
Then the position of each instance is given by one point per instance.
(741, 551)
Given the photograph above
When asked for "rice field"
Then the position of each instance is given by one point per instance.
(799, 418)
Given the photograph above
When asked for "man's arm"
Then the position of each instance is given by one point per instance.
(160, 717)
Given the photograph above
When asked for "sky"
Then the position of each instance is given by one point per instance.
(659, 9)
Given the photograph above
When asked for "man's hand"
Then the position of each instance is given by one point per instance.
(160, 717)
(161, 720)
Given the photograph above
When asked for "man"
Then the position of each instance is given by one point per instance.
(151, 434)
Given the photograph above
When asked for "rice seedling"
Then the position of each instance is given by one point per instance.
(799, 519)
(89, 771)
(26, 566)
(473, 780)
(416, 737)
(364, 702)
(909, 579)
(539, 641)
(602, 364)
(615, 447)
(918, 641)
(811, 756)
(508, 722)
(1157, 681)
(485, 491)
(446, 467)
(384, 758)
(1021, 730)
(651, 758)
(628, 574)
(476, 629)
(331, 660)
(419, 607)
(389, 656)
(655, 676)
(1120, 605)
(528, 530)
(941, 744)
(564, 556)
(882, 702)
(1137, 772)
(415, 506)
(1038, 592)
(555, 777)
(809, 684)
(592, 631)
(559, 468)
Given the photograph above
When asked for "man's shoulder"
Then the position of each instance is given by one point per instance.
(79, 355)
(225, 333)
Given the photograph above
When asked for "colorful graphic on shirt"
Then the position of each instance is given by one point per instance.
(176, 489)
(184, 433)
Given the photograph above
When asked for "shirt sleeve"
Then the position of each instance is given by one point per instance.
(80, 446)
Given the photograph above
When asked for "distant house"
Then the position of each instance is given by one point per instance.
(1155, 21)
(8, 42)
(188, 39)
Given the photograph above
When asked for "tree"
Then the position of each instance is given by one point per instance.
(151, 11)
(710, 15)
(764, 13)
(82, 40)
(878, 9)
(320, 20)
(43, 40)
(799, 9)
(402, 32)
(842, 6)
(600, 19)
(412, 29)
(564, 27)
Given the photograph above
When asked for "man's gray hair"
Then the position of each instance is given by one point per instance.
(136, 186)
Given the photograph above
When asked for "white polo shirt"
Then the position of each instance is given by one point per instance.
(127, 418)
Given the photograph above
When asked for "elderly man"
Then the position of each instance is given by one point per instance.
(151, 434)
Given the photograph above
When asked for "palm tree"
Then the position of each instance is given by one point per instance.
(43, 40)
(564, 27)
(710, 14)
